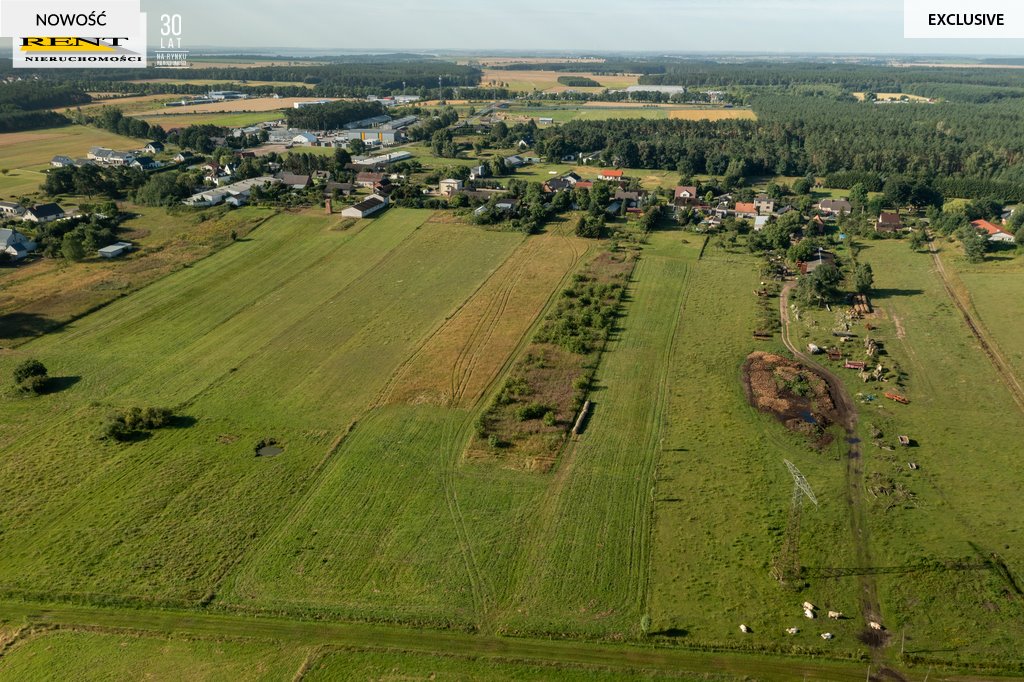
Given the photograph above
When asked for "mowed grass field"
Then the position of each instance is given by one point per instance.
(97, 656)
(723, 492)
(272, 337)
(46, 292)
(26, 154)
(964, 425)
(993, 288)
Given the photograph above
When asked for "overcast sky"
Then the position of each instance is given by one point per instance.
(783, 26)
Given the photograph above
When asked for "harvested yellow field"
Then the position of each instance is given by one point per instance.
(236, 105)
(712, 114)
(547, 81)
(892, 97)
(461, 359)
(498, 61)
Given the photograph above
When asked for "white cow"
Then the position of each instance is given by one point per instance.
(875, 626)
(835, 615)
(809, 606)
(792, 631)
(827, 635)
(809, 614)
(744, 629)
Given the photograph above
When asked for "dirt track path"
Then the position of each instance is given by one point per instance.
(1002, 367)
(846, 410)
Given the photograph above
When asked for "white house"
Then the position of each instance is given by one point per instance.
(15, 244)
(44, 213)
(995, 232)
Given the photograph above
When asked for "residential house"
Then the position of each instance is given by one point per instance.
(44, 213)
(685, 195)
(294, 181)
(572, 178)
(761, 222)
(835, 207)
(481, 171)
(366, 207)
(745, 209)
(763, 204)
(116, 250)
(585, 184)
(449, 187)
(369, 180)
(109, 157)
(15, 244)
(342, 188)
(61, 161)
(888, 222)
(994, 232)
(153, 147)
(184, 157)
(9, 209)
(610, 175)
(514, 161)
(213, 197)
(556, 185)
(145, 163)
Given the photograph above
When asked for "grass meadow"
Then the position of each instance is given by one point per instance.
(962, 421)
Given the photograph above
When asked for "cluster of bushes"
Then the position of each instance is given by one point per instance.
(590, 226)
(578, 82)
(76, 238)
(583, 317)
(135, 421)
(31, 377)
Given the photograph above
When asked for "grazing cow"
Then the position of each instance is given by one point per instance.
(809, 606)
(744, 629)
(827, 635)
(835, 615)
(809, 614)
(792, 631)
(875, 626)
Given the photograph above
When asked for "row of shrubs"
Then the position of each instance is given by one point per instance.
(583, 317)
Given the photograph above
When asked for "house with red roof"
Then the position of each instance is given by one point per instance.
(745, 209)
(610, 175)
(995, 232)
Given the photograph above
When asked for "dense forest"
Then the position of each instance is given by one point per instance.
(333, 115)
(351, 78)
(21, 103)
(977, 149)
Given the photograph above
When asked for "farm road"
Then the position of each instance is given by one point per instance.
(1003, 369)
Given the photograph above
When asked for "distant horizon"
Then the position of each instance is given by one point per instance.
(868, 27)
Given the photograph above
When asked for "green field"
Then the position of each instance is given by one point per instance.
(661, 520)
(993, 288)
(94, 656)
(967, 474)
(32, 151)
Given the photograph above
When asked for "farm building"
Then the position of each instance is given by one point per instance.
(366, 207)
(384, 159)
(217, 196)
(823, 258)
(761, 222)
(15, 244)
(994, 232)
(61, 161)
(888, 222)
(44, 213)
(368, 179)
(116, 250)
(306, 139)
(9, 209)
(610, 175)
(310, 103)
